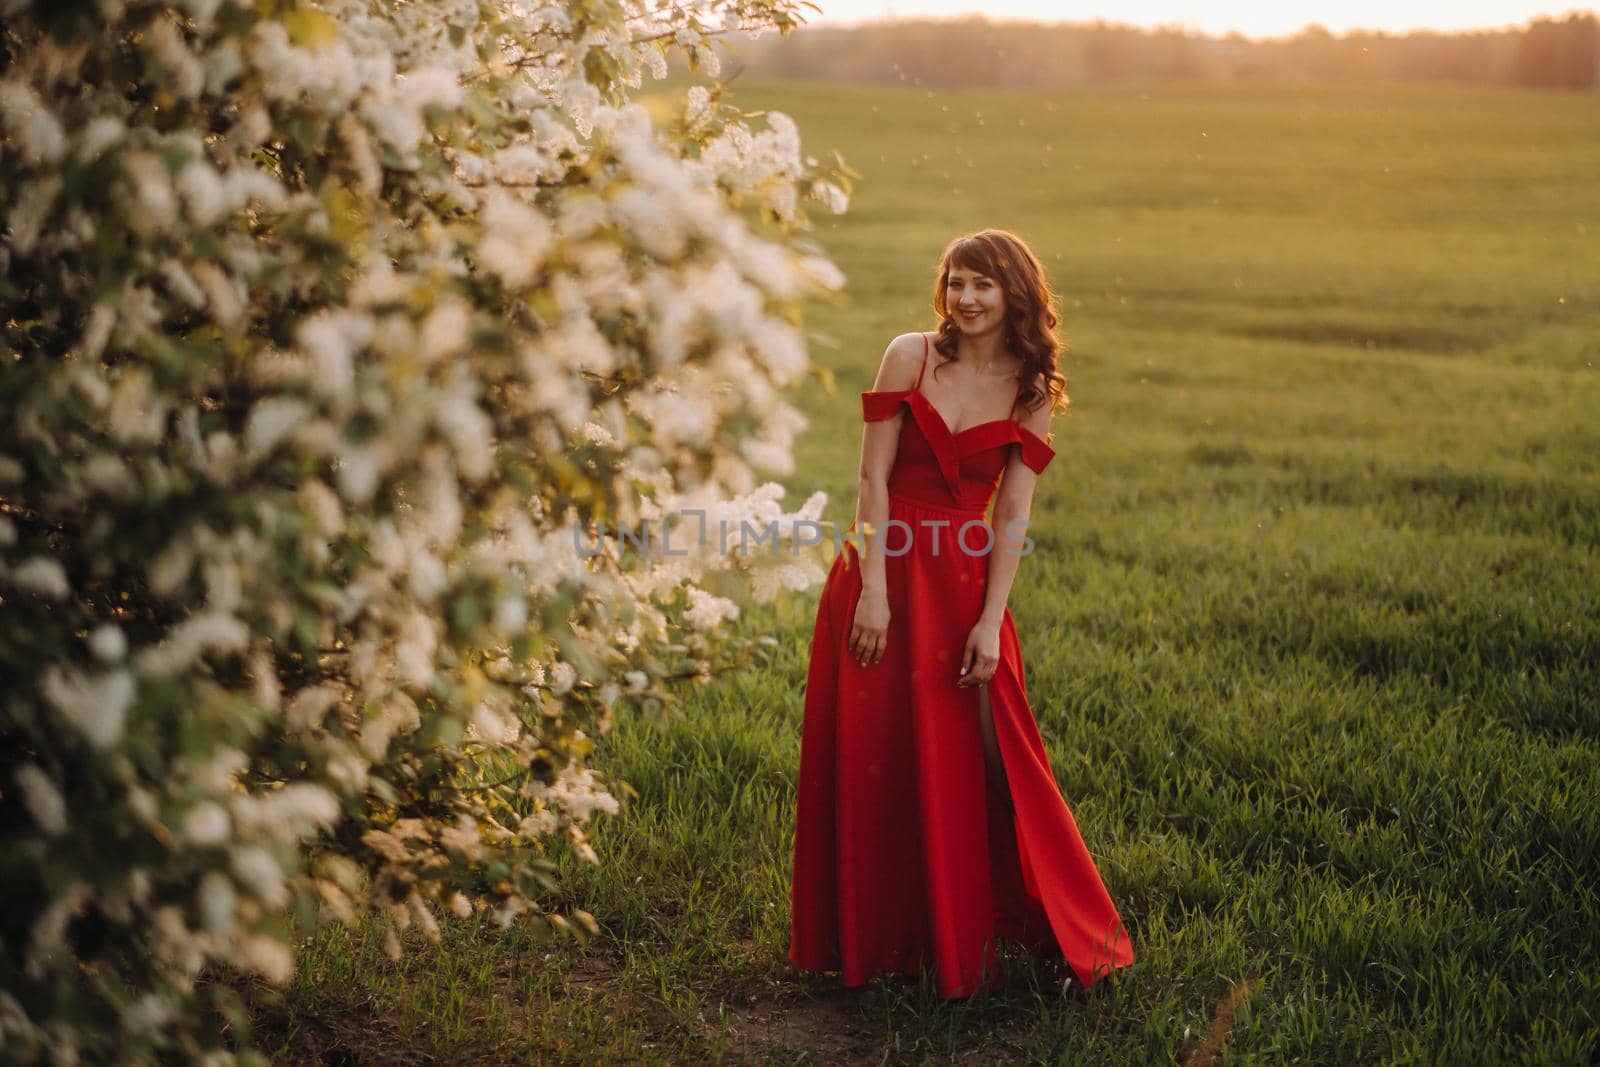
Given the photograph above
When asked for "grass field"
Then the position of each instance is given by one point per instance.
(1312, 630)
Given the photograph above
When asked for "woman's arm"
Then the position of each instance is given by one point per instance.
(869, 629)
(902, 361)
(1012, 506)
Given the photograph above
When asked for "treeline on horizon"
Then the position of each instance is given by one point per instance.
(972, 52)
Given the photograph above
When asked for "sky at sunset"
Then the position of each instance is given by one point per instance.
(1249, 17)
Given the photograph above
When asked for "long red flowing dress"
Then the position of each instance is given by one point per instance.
(902, 852)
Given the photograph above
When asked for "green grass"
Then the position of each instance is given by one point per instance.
(1312, 630)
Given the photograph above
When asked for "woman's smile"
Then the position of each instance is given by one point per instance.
(973, 318)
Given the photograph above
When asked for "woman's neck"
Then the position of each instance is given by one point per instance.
(984, 353)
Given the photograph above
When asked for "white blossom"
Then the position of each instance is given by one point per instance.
(101, 133)
(464, 837)
(348, 770)
(673, 418)
(203, 192)
(218, 903)
(332, 339)
(823, 272)
(189, 640)
(322, 504)
(43, 800)
(205, 824)
(831, 195)
(793, 576)
(697, 107)
(414, 653)
(295, 810)
(308, 709)
(182, 69)
(494, 725)
(218, 773)
(541, 823)
(446, 330)
(268, 957)
(595, 433)
(181, 284)
(224, 294)
(259, 872)
(329, 73)
(271, 421)
(95, 704)
(149, 1013)
(432, 86)
(245, 184)
(427, 577)
(31, 212)
(578, 791)
(515, 239)
(31, 125)
(41, 575)
(308, 423)
(562, 677)
(582, 102)
(580, 216)
(157, 202)
(707, 611)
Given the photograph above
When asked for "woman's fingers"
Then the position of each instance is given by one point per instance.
(968, 655)
(980, 672)
(867, 646)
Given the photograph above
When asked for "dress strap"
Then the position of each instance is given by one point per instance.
(924, 369)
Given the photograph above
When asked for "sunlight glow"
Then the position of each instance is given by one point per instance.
(1248, 17)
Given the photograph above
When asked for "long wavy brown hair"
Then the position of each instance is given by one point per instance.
(1031, 316)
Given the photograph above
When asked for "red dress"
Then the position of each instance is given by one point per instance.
(902, 855)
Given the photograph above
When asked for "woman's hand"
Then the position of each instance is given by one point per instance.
(981, 656)
(869, 634)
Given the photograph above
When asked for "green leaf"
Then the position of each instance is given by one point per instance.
(310, 28)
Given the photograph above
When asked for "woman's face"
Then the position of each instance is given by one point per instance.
(975, 301)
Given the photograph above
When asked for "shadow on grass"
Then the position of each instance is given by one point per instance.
(593, 1008)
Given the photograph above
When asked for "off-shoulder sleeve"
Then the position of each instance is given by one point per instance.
(1035, 453)
(881, 404)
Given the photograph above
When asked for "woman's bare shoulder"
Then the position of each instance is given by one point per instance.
(1038, 419)
(902, 363)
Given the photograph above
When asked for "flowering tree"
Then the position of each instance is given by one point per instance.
(327, 325)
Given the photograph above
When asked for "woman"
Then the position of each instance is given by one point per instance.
(929, 822)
